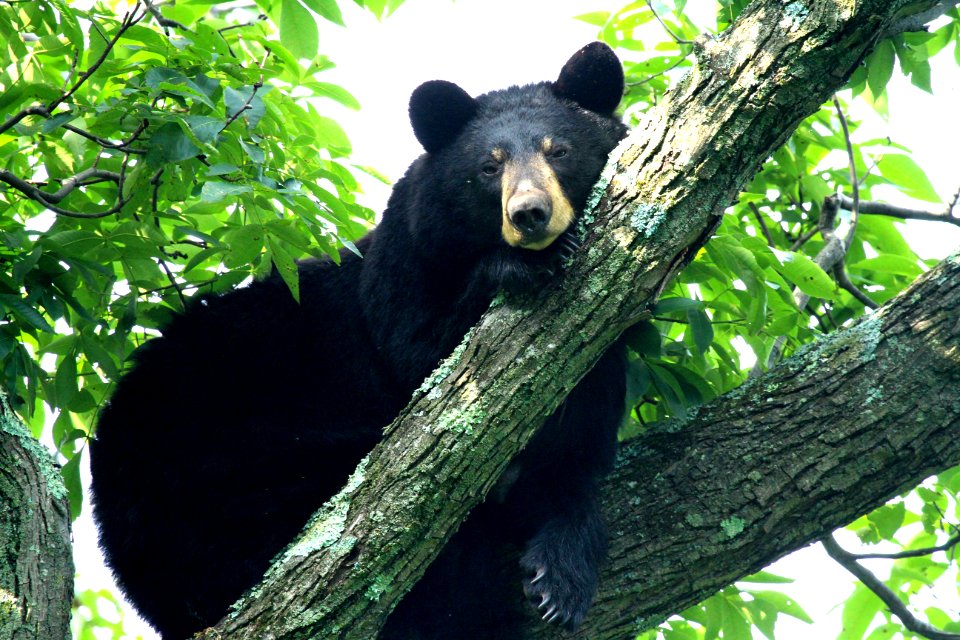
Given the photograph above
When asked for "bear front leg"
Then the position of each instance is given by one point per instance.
(557, 489)
(561, 563)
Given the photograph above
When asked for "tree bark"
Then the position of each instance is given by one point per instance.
(36, 561)
(835, 431)
(659, 200)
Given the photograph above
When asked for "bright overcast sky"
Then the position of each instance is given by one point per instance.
(488, 44)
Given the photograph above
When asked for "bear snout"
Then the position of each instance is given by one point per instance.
(529, 212)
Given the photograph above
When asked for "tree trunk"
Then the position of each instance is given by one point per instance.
(846, 424)
(658, 202)
(36, 563)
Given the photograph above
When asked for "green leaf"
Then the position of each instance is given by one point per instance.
(65, 380)
(298, 29)
(170, 144)
(214, 191)
(596, 18)
(806, 274)
(25, 312)
(783, 603)
(735, 625)
(890, 263)
(71, 479)
(765, 577)
(328, 9)
(670, 305)
(245, 244)
(880, 67)
(644, 339)
(858, 613)
(904, 172)
(702, 329)
(286, 267)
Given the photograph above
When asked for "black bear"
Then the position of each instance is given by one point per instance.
(251, 410)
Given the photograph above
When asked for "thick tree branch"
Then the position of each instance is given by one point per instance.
(36, 564)
(659, 201)
(783, 460)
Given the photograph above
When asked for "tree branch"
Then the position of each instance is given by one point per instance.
(849, 562)
(36, 565)
(782, 461)
(904, 213)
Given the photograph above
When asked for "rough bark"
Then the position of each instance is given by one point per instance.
(36, 561)
(846, 424)
(657, 203)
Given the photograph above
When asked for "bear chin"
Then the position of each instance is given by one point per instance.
(517, 270)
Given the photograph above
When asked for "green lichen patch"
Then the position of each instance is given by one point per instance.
(732, 526)
(647, 218)
(378, 587)
(446, 367)
(462, 420)
(325, 528)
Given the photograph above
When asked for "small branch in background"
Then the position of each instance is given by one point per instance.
(914, 553)
(855, 208)
(107, 144)
(896, 606)
(763, 225)
(663, 24)
(840, 273)
(162, 20)
(85, 177)
(256, 86)
(904, 213)
(802, 240)
(919, 21)
(659, 73)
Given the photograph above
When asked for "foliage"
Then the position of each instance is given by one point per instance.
(151, 152)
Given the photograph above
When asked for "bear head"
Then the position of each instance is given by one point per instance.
(511, 170)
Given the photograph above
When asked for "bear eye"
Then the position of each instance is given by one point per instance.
(558, 152)
(490, 168)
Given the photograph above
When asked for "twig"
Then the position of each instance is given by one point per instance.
(919, 21)
(896, 606)
(87, 176)
(904, 213)
(803, 239)
(676, 64)
(840, 273)
(763, 225)
(162, 20)
(855, 185)
(107, 144)
(663, 24)
(913, 553)
(246, 104)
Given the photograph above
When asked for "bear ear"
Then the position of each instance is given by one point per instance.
(439, 110)
(593, 78)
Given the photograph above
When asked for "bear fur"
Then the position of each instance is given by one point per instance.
(251, 409)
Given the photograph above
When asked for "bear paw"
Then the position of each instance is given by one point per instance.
(560, 590)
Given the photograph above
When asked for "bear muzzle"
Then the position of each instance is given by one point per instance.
(529, 212)
(535, 209)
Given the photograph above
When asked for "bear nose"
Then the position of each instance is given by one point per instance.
(529, 213)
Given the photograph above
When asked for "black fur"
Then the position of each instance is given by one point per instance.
(252, 409)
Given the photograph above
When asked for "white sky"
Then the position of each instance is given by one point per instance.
(488, 44)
